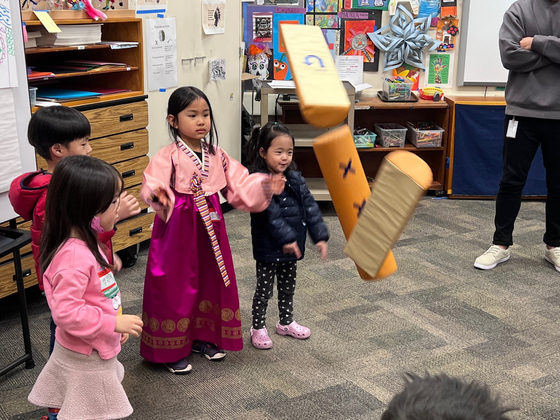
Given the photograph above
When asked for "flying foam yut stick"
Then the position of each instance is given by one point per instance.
(401, 181)
(322, 96)
(345, 177)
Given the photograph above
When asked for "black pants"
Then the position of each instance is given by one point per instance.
(518, 154)
(285, 272)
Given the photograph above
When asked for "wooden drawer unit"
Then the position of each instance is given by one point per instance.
(132, 170)
(133, 230)
(8, 284)
(117, 118)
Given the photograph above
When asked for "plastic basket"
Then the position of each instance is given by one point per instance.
(390, 134)
(425, 138)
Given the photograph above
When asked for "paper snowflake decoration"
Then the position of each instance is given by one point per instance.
(406, 41)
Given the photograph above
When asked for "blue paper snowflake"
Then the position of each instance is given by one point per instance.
(406, 41)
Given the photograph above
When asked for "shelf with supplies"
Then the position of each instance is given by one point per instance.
(119, 55)
(118, 122)
(304, 134)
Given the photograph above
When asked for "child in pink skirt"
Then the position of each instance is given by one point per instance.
(82, 378)
(190, 292)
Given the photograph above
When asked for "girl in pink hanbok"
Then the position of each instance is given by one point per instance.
(190, 292)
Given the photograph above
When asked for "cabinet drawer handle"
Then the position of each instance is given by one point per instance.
(130, 173)
(25, 273)
(126, 117)
(127, 146)
(135, 231)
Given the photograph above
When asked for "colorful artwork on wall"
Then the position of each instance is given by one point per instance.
(354, 39)
(370, 4)
(281, 67)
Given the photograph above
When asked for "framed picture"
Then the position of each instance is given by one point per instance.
(354, 39)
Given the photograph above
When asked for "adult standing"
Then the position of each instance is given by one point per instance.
(530, 50)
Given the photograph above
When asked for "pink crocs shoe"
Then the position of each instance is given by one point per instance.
(260, 339)
(293, 329)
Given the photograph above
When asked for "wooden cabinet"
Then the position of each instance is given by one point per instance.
(118, 124)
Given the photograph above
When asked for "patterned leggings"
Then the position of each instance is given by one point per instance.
(285, 272)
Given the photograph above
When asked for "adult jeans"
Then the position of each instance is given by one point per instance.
(518, 154)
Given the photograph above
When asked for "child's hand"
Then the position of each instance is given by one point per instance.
(117, 263)
(160, 197)
(128, 206)
(129, 324)
(292, 248)
(277, 182)
(124, 338)
(322, 248)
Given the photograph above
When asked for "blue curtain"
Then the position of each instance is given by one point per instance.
(477, 163)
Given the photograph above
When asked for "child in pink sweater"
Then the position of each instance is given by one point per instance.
(82, 378)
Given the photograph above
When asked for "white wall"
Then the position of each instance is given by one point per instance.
(224, 96)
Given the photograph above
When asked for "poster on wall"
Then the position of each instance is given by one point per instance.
(8, 73)
(258, 36)
(10, 161)
(161, 48)
(281, 67)
(217, 69)
(370, 4)
(439, 70)
(354, 39)
(214, 16)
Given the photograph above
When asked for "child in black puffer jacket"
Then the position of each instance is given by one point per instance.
(280, 231)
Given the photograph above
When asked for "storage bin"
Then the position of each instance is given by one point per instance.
(390, 134)
(365, 141)
(395, 89)
(424, 138)
(33, 96)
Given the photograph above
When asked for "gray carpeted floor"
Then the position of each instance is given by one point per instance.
(436, 314)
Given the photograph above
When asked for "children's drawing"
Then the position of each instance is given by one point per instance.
(8, 75)
(217, 67)
(322, 21)
(447, 30)
(281, 67)
(370, 4)
(262, 27)
(404, 40)
(249, 32)
(258, 65)
(439, 71)
(322, 6)
(410, 72)
(332, 37)
(354, 39)
(213, 16)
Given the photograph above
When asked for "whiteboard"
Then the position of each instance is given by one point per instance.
(22, 108)
(479, 55)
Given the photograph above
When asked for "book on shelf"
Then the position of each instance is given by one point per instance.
(94, 64)
(71, 35)
(32, 39)
(39, 75)
(64, 95)
(120, 45)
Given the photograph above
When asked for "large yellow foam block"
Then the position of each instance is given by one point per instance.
(322, 96)
(401, 181)
(347, 183)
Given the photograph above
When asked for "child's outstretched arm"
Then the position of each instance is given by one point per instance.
(128, 206)
(155, 187)
(249, 192)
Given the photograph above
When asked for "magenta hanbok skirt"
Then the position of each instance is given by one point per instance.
(185, 298)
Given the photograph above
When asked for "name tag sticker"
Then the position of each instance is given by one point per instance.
(214, 216)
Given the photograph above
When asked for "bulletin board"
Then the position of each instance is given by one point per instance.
(479, 55)
(19, 91)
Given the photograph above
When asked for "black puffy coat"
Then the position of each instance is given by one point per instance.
(287, 219)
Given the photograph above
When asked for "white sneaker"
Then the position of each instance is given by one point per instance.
(553, 257)
(494, 256)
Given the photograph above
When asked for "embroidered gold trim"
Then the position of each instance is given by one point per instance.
(231, 332)
(168, 326)
(154, 324)
(227, 314)
(205, 323)
(205, 306)
(164, 342)
(183, 324)
(238, 314)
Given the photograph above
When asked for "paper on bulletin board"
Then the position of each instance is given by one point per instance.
(350, 68)
(161, 47)
(440, 70)
(8, 72)
(214, 16)
(10, 162)
(149, 6)
(217, 68)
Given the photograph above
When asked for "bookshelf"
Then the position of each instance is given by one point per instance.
(118, 120)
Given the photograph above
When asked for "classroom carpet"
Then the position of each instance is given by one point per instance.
(436, 314)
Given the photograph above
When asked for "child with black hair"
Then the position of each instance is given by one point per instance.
(82, 378)
(440, 397)
(279, 232)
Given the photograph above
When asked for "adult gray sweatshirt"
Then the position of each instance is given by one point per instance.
(533, 86)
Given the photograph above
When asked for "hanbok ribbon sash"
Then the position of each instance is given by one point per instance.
(202, 204)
